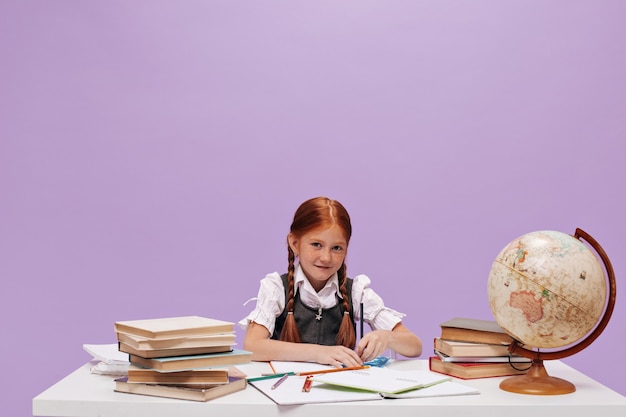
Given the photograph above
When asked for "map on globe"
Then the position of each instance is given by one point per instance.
(547, 289)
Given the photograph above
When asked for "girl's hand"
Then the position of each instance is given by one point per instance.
(337, 356)
(373, 344)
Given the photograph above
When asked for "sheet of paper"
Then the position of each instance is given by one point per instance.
(113, 369)
(296, 367)
(252, 369)
(107, 353)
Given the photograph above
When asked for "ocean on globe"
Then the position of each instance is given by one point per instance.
(547, 289)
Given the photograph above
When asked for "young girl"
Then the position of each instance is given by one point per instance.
(309, 313)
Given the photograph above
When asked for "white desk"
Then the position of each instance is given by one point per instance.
(85, 394)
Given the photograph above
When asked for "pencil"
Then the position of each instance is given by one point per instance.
(326, 371)
(307, 384)
(361, 321)
(280, 381)
(272, 376)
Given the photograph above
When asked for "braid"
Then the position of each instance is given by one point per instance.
(346, 335)
(290, 331)
(290, 281)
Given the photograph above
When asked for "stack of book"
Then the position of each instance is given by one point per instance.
(180, 357)
(473, 348)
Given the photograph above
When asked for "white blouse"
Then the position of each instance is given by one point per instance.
(270, 301)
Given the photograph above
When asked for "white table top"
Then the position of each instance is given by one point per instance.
(84, 394)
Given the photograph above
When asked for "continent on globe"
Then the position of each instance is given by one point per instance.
(530, 306)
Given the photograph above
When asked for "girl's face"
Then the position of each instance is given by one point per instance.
(321, 252)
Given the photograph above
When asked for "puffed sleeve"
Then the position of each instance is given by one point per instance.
(270, 303)
(377, 315)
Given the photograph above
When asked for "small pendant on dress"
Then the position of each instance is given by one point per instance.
(318, 316)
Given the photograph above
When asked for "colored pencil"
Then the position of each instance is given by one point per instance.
(280, 381)
(325, 371)
(307, 384)
(272, 376)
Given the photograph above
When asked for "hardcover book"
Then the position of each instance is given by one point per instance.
(181, 393)
(483, 359)
(183, 363)
(205, 340)
(195, 377)
(162, 353)
(167, 328)
(467, 370)
(454, 348)
(475, 331)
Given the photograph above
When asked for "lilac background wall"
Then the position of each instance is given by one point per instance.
(152, 155)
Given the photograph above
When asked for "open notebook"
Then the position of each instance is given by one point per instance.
(382, 380)
(289, 392)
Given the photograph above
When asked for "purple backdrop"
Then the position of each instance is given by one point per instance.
(152, 155)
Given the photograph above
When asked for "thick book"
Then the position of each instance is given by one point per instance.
(145, 343)
(183, 363)
(454, 348)
(482, 359)
(181, 393)
(162, 353)
(166, 328)
(193, 377)
(472, 370)
(463, 329)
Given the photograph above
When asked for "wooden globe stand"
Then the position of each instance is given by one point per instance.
(537, 381)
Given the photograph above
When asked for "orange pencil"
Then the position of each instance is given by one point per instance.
(325, 371)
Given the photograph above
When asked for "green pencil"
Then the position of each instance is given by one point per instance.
(261, 378)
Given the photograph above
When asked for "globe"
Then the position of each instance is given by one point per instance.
(548, 290)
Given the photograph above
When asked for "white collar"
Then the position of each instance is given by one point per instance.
(299, 279)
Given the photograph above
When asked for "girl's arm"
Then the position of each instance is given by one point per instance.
(400, 340)
(257, 341)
